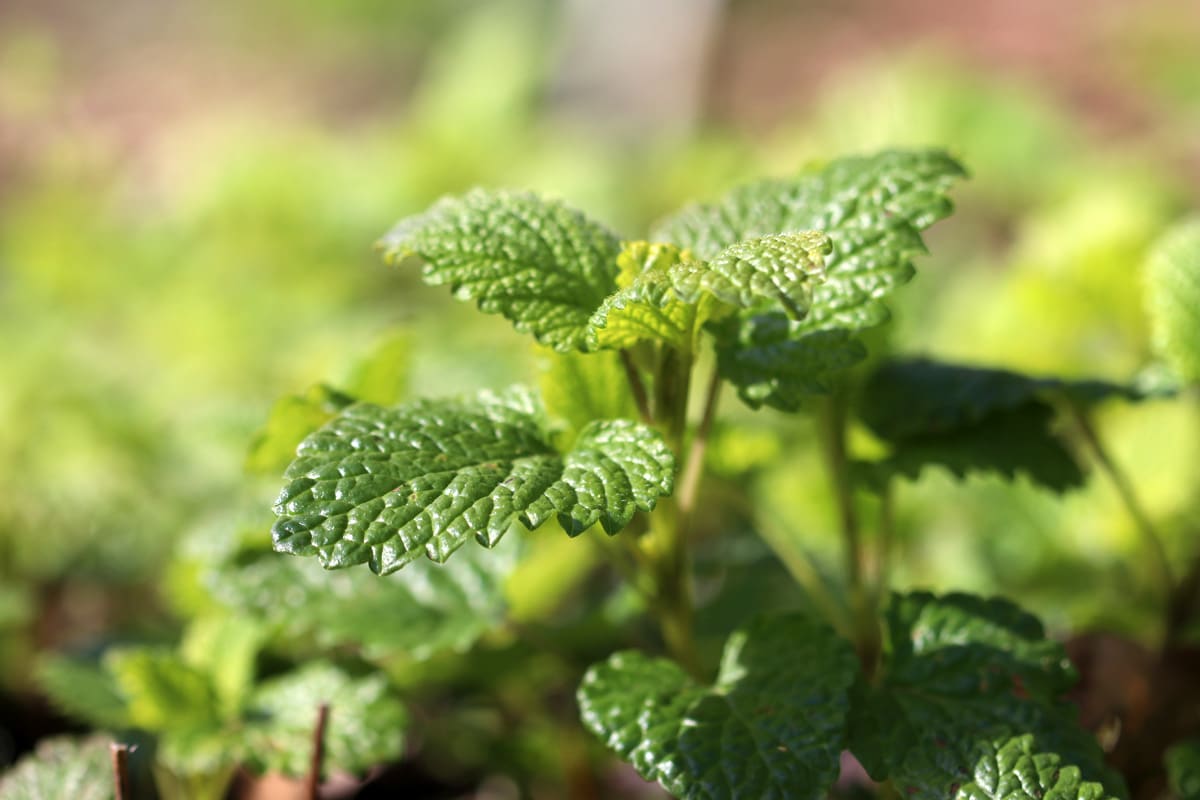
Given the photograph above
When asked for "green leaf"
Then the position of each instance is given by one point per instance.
(1014, 770)
(647, 307)
(1173, 293)
(163, 691)
(381, 376)
(772, 726)
(365, 727)
(974, 419)
(872, 209)
(60, 768)
(578, 388)
(541, 265)
(84, 691)
(961, 676)
(772, 271)
(384, 486)
(225, 648)
(292, 418)
(431, 609)
(1183, 769)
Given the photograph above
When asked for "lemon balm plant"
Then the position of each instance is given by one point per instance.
(768, 292)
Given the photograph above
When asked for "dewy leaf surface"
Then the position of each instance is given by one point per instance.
(1173, 290)
(961, 677)
(430, 609)
(540, 264)
(1014, 770)
(771, 727)
(872, 208)
(79, 769)
(383, 486)
(366, 724)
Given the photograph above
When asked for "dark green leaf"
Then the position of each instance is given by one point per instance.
(61, 768)
(384, 486)
(365, 727)
(1183, 769)
(541, 265)
(1013, 769)
(961, 676)
(1173, 286)
(772, 726)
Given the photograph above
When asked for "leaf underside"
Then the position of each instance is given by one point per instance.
(771, 727)
(962, 678)
(872, 208)
(540, 264)
(384, 486)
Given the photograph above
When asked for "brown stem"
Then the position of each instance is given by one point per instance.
(317, 761)
(693, 469)
(637, 387)
(119, 753)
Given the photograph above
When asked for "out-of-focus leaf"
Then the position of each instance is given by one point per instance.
(579, 388)
(385, 486)
(366, 724)
(772, 726)
(225, 648)
(381, 376)
(541, 265)
(292, 418)
(78, 769)
(84, 691)
(1173, 285)
(1183, 769)
(163, 691)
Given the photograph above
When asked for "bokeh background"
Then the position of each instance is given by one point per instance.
(190, 191)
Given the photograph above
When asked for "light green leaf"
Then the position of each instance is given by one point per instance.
(163, 691)
(430, 609)
(578, 388)
(872, 209)
(771, 727)
(1173, 292)
(365, 727)
(381, 376)
(384, 486)
(1183, 769)
(225, 648)
(541, 265)
(1014, 770)
(63, 767)
(292, 418)
(647, 307)
(961, 676)
(84, 691)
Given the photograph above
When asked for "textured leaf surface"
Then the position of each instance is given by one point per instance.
(366, 724)
(973, 419)
(1173, 288)
(772, 726)
(62, 768)
(1183, 769)
(541, 265)
(872, 209)
(647, 307)
(430, 609)
(961, 677)
(1014, 770)
(384, 486)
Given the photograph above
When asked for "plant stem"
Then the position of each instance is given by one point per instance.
(317, 760)
(1120, 481)
(693, 468)
(119, 753)
(887, 535)
(636, 386)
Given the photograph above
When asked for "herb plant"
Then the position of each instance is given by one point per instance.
(770, 291)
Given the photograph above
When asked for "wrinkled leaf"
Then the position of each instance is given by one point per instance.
(541, 265)
(961, 676)
(1173, 290)
(384, 486)
(1013, 769)
(365, 727)
(62, 767)
(772, 726)
(647, 306)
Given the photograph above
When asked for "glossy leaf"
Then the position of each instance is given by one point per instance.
(1013, 769)
(1173, 288)
(1183, 769)
(961, 676)
(365, 727)
(772, 726)
(384, 486)
(647, 307)
(430, 609)
(60, 768)
(541, 265)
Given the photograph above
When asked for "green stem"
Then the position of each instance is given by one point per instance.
(636, 386)
(693, 469)
(884, 544)
(1120, 481)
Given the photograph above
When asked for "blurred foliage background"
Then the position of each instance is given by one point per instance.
(189, 193)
